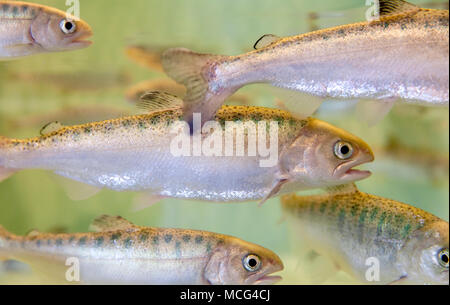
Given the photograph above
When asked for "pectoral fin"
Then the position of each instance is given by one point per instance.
(275, 189)
(76, 190)
(300, 104)
(373, 111)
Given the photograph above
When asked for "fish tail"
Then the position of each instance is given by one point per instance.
(193, 70)
(4, 171)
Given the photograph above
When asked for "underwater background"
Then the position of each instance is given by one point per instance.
(411, 144)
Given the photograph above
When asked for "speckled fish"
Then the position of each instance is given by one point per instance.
(123, 253)
(349, 227)
(28, 29)
(134, 153)
(402, 55)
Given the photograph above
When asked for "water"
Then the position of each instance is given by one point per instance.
(35, 199)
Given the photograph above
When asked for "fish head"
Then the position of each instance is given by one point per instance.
(324, 155)
(425, 258)
(55, 31)
(241, 263)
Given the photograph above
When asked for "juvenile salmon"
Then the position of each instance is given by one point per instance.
(351, 227)
(29, 28)
(120, 252)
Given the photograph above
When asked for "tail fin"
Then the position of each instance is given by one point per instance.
(193, 71)
(4, 172)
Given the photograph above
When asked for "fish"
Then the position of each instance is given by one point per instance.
(28, 29)
(352, 228)
(137, 153)
(120, 252)
(402, 55)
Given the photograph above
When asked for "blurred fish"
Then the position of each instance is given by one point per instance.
(169, 86)
(434, 162)
(137, 154)
(120, 252)
(147, 56)
(403, 55)
(29, 28)
(76, 81)
(350, 227)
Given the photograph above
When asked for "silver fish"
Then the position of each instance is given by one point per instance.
(120, 252)
(403, 55)
(135, 154)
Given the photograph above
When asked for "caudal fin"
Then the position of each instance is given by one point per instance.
(4, 172)
(193, 70)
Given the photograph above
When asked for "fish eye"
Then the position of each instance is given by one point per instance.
(443, 258)
(251, 262)
(343, 150)
(67, 26)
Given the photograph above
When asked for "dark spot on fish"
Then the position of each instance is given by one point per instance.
(198, 239)
(142, 125)
(99, 241)
(127, 242)
(82, 241)
(168, 238)
(115, 237)
(373, 214)
(341, 220)
(71, 239)
(143, 237)
(87, 130)
(381, 223)
(406, 230)
(155, 240)
(178, 249)
(15, 11)
(49, 242)
(38, 243)
(58, 242)
(186, 238)
(208, 247)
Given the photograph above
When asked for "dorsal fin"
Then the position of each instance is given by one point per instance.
(158, 101)
(50, 128)
(342, 189)
(393, 7)
(33, 232)
(265, 41)
(106, 223)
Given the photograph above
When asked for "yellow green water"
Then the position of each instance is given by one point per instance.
(35, 200)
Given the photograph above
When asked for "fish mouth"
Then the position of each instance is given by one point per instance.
(80, 40)
(268, 280)
(347, 172)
